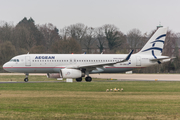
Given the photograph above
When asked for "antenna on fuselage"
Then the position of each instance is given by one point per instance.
(102, 53)
(28, 53)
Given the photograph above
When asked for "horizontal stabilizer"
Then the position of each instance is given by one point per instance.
(160, 59)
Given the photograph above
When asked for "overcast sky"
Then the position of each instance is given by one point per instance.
(144, 15)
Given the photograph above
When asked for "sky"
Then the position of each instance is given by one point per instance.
(144, 15)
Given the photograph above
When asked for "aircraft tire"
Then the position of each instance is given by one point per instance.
(25, 79)
(79, 79)
(88, 79)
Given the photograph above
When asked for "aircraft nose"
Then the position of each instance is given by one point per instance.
(5, 66)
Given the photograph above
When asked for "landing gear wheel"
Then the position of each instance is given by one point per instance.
(79, 79)
(88, 79)
(25, 79)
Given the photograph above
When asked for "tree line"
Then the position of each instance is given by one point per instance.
(26, 37)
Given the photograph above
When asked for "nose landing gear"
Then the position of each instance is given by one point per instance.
(26, 79)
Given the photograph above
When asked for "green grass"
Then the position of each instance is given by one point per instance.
(57, 101)
(20, 78)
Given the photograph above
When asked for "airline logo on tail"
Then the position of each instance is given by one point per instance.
(157, 40)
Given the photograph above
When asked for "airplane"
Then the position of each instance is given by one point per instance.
(76, 66)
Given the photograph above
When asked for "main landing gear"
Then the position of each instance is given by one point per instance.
(26, 79)
(79, 79)
(88, 79)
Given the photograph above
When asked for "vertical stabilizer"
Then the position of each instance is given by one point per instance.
(155, 44)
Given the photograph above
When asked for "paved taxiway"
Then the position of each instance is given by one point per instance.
(139, 77)
(118, 77)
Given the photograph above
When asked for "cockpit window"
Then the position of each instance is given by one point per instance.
(14, 60)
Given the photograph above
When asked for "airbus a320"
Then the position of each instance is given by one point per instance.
(76, 66)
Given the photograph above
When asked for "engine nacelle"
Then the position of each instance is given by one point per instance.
(71, 73)
(54, 75)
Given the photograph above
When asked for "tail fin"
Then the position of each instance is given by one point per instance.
(155, 44)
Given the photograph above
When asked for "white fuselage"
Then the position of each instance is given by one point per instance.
(78, 65)
(53, 63)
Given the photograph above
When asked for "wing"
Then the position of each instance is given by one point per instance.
(100, 64)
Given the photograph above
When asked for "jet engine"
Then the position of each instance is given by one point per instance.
(54, 75)
(71, 73)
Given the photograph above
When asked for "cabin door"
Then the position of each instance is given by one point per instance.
(138, 61)
(27, 61)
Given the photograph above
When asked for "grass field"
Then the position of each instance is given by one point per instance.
(58, 101)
